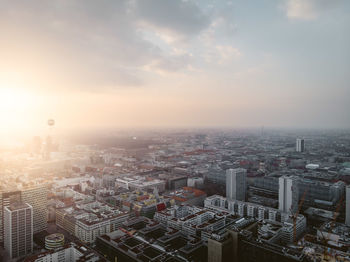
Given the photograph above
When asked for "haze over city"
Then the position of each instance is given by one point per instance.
(174, 130)
(122, 64)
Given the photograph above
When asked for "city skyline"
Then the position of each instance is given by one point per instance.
(174, 64)
(174, 130)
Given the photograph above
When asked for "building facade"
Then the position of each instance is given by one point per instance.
(347, 203)
(18, 229)
(90, 220)
(288, 194)
(67, 253)
(236, 183)
(300, 145)
(7, 198)
(37, 198)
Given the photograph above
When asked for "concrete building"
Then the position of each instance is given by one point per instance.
(347, 219)
(126, 247)
(321, 194)
(216, 176)
(242, 209)
(187, 196)
(7, 198)
(220, 251)
(140, 183)
(67, 253)
(195, 182)
(287, 234)
(226, 247)
(89, 220)
(260, 213)
(18, 229)
(90, 227)
(141, 203)
(288, 194)
(236, 183)
(300, 145)
(195, 221)
(318, 193)
(54, 241)
(176, 182)
(252, 249)
(37, 198)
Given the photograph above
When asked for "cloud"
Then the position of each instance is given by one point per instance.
(227, 53)
(171, 64)
(309, 9)
(97, 43)
(182, 18)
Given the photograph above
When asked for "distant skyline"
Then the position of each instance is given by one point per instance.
(172, 63)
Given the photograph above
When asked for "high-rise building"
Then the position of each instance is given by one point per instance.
(288, 196)
(220, 251)
(347, 204)
(317, 193)
(37, 198)
(6, 198)
(300, 145)
(34, 196)
(18, 229)
(236, 183)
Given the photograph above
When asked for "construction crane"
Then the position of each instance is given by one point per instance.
(295, 217)
(335, 215)
(331, 225)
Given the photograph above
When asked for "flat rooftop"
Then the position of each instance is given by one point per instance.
(18, 206)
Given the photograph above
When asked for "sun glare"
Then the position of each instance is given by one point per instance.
(17, 107)
(14, 94)
(13, 99)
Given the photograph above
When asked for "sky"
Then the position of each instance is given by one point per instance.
(174, 63)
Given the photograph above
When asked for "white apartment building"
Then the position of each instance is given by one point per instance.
(236, 183)
(18, 229)
(68, 253)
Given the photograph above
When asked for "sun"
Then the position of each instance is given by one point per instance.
(13, 99)
(17, 106)
(14, 92)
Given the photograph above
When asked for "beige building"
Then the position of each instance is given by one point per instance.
(37, 198)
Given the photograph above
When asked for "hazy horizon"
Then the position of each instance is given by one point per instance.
(173, 64)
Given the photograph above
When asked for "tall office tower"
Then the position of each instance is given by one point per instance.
(300, 145)
(288, 195)
(6, 198)
(347, 204)
(18, 229)
(37, 198)
(236, 183)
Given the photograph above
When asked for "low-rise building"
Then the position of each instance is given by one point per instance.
(140, 183)
(67, 253)
(187, 196)
(89, 220)
(261, 213)
(140, 203)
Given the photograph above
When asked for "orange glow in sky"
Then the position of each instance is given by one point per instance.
(127, 64)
